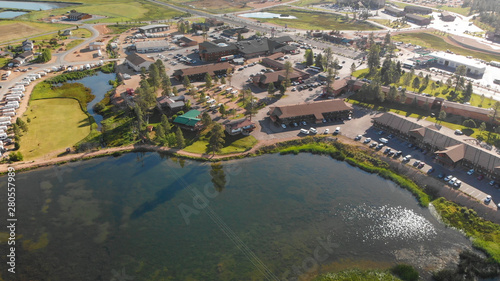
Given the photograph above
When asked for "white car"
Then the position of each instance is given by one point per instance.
(457, 183)
(367, 140)
(448, 177)
(407, 158)
(283, 126)
(487, 199)
(337, 130)
(294, 89)
(452, 181)
(313, 130)
(304, 131)
(327, 131)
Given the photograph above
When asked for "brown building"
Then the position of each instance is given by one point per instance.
(185, 41)
(417, 10)
(313, 112)
(242, 126)
(394, 12)
(451, 150)
(210, 51)
(446, 16)
(416, 19)
(74, 15)
(197, 73)
(279, 74)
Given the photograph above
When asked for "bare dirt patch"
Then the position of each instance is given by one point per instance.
(17, 30)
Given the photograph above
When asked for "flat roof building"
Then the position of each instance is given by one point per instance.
(151, 46)
(197, 73)
(416, 19)
(417, 10)
(447, 16)
(153, 28)
(394, 12)
(451, 60)
(137, 61)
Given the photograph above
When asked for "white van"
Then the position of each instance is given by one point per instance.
(304, 131)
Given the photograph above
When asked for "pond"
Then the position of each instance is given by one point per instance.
(143, 215)
(10, 14)
(33, 5)
(99, 84)
(266, 15)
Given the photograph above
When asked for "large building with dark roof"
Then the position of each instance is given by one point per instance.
(416, 19)
(153, 28)
(313, 112)
(198, 73)
(394, 12)
(418, 10)
(74, 15)
(212, 51)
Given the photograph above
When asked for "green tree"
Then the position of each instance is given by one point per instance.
(154, 76)
(175, 91)
(392, 94)
(353, 68)
(160, 134)
(186, 82)
(208, 80)
(309, 57)
(206, 120)
(459, 73)
(179, 137)
(328, 57)
(468, 92)
(216, 139)
(288, 71)
(442, 115)
(482, 128)
(187, 104)
(271, 89)
(373, 59)
(222, 110)
(223, 80)
(416, 83)
(407, 79)
(165, 124)
(318, 61)
(433, 87)
(469, 123)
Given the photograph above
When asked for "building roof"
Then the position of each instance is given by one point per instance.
(186, 39)
(418, 9)
(455, 152)
(211, 47)
(153, 26)
(151, 44)
(283, 39)
(416, 17)
(207, 68)
(314, 108)
(242, 123)
(458, 59)
(189, 118)
(96, 44)
(136, 59)
(393, 10)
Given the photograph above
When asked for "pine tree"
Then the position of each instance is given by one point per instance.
(165, 124)
(179, 136)
(208, 80)
(216, 140)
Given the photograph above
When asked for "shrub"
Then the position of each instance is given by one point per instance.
(16, 156)
(405, 272)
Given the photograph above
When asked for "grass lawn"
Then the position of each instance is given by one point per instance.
(233, 144)
(73, 43)
(458, 10)
(19, 30)
(486, 234)
(315, 20)
(114, 10)
(4, 61)
(435, 42)
(55, 125)
(81, 33)
(77, 91)
(304, 3)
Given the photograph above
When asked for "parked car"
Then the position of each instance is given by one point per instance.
(373, 144)
(283, 126)
(304, 131)
(448, 177)
(304, 123)
(421, 165)
(470, 172)
(399, 153)
(458, 132)
(431, 170)
(391, 153)
(452, 181)
(457, 183)
(337, 130)
(492, 183)
(358, 137)
(441, 175)
(415, 164)
(313, 130)
(480, 178)
(487, 199)
(379, 146)
(367, 140)
(407, 158)
(387, 150)
(327, 131)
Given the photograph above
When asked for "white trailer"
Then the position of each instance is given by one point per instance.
(8, 73)
(14, 95)
(42, 74)
(12, 104)
(8, 110)
(3, 119)
(3, 136)
(5, 123)
(12, 113)
(3, 128)
(19, 88)
(13, 98)
(17, 93)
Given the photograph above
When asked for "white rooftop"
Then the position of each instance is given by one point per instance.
(151, 44)
(458, 59)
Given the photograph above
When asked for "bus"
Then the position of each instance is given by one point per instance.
(495, 63)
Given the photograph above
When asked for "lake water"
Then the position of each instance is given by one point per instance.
(266, 15)
(10, 14)
(99, 84)
(32, 5)
(143, 216)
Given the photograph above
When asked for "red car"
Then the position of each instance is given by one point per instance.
(481, 177)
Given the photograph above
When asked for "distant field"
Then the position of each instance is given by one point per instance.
(304, 3)
(114, 10)
(458, 10)
(215, 6)
(316, 20)
(48, 132)
(73, 44)
(434, 42)
(12, 30)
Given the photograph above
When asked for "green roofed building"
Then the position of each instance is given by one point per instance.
(189, 120)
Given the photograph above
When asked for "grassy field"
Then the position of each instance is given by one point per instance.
(304, 3)
(18, 30)
(315, 20)
(435, 42)
(81, 33)
(4, 61)
(73, 44)
(458, 10)
(485, 234)
(48, 132)
(114, 10)
(239, 145)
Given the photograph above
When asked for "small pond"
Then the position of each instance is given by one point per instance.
(10, 14)
(33, 5)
